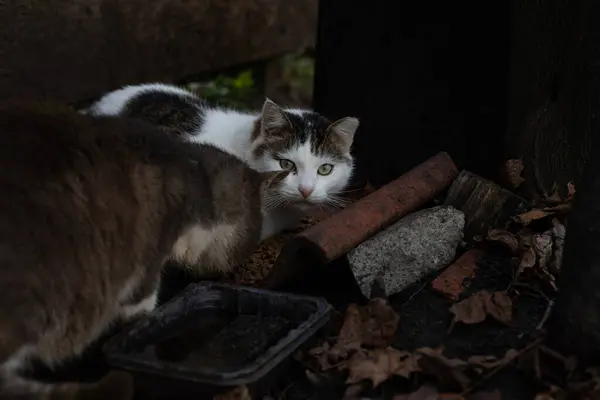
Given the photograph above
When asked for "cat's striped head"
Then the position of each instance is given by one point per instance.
(315, 150)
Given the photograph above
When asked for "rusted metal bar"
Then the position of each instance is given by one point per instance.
(345, 229)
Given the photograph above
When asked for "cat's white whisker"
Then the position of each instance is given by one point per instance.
(337, 201)
(348, 191)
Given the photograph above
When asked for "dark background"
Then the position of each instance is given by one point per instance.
(485, 81)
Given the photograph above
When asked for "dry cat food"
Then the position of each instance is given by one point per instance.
(261, 262)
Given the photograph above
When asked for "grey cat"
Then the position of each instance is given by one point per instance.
(91, 208)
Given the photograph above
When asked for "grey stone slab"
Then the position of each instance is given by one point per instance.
(409, 249)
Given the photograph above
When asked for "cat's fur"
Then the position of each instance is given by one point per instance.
(304, 137)
(90, 209)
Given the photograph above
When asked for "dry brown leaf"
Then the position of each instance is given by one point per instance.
(489, 362)
(570, 191)
(350, 336)
(380, 322)
(237, 393)
(528, 217)
(475, 308)
(321, 354)
(499, 306)
(448, 371)
(372, 326)
(379, 365)
(528, 260)
(542, 245)
(513, 169)
(425, 392)
(470, 310)
(506, 238)
(559, 208)
(409, 363)
(452, 370)
(438, 354)
(525, 237)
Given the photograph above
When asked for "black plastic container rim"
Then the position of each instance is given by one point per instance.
(255, 371)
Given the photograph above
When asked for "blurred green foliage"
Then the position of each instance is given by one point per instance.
(240, 91)
(232, 91)
(299, 73)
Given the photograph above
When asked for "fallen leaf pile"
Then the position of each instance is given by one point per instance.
(538, 250)
(363, 349)
(569, 383)
(587, 387)
(372, 326)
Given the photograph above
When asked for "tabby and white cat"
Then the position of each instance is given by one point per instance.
(314, 149)
(91, 208)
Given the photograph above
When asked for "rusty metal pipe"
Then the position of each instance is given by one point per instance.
(349, 227)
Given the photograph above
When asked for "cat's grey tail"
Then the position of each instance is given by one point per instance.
(116, 385)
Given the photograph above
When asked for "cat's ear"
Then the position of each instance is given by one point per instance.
(272, 178)
(273, 119)
(344, 130)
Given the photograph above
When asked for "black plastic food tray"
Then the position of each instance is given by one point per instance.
(238, 335)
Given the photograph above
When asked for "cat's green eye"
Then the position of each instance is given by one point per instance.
(287, 165)
(325, 169)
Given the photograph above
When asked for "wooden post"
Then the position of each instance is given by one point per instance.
(574, 325)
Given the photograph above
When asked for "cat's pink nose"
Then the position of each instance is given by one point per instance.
(305, 191)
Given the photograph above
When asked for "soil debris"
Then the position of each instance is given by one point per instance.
(263, 259)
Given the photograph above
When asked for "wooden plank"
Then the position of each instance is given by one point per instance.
(76, 49)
